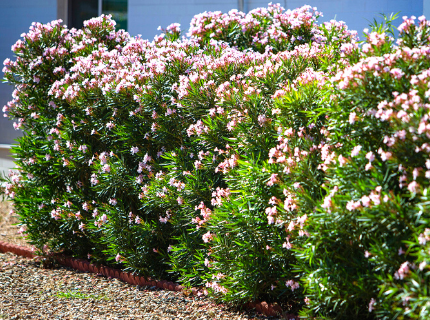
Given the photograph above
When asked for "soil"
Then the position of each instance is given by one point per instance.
(8, 225)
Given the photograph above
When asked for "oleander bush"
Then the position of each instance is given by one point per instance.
(264, 156)
(364, 257)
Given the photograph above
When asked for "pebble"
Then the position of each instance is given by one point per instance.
(27, 291)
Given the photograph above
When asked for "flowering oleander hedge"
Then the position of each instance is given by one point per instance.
(368, 234)
(265, 156)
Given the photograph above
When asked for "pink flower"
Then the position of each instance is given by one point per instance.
(85, 206)
(289, 132)
(370, 156)
(424, 237)
(94, 181)
(287, 245)
(262, 119)
(83, 148)
(397, 73)
(371, 304)
(66, 162)
(207, 237)
(110, 125)
(231, 124)
(327, 202)
(273, 179)
(198, 164)
(301, 220)
(207, 263)
(154, 127)
(22, 230)
(342, 160)
(134, 150)
(366, 201)
(146, 158)
(292, 284)
(402, 272)
(34, 115)
(355, 151)
(385, 155)
(352, 117)
(353, 205)
(416, 173)
(414, 187)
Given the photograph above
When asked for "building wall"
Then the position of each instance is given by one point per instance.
(145, 16)
(6, 159)
(426, 8)
(358, 14)
(16, 18)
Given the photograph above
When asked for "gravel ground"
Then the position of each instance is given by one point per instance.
(9, 231)
(27, 291)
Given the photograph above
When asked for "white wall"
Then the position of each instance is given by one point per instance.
(6, 159)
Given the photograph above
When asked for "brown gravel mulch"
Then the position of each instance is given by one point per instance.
(29, 291)
(8, 229)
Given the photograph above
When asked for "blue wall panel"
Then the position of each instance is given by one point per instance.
(16, 18)
(144, 16)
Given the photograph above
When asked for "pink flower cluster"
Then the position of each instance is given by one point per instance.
(206, 213)
(286, 25)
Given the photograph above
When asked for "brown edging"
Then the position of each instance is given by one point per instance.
(268, 309)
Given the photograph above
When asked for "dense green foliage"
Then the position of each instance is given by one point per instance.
(264, 157)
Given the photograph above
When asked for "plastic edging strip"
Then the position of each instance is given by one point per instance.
(268, 309)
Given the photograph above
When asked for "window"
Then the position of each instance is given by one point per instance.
(118, 10)
(81, 10)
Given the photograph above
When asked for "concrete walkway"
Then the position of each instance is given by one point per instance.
(6, 159)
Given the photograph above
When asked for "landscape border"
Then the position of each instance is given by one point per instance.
(268, 309)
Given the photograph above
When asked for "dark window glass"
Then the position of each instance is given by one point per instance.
(81, 10)
(118, 10)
